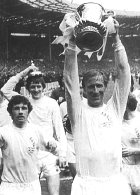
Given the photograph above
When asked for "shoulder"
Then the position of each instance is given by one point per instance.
(32, 126)
(63, 104)
(6, 129)
(137, 117)
(49, 100)
(33, 129)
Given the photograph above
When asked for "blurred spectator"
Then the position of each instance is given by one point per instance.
(59, 93)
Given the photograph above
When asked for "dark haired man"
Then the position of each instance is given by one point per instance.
(46, 114)
(97, 127)
(59, 93)
(19, 142)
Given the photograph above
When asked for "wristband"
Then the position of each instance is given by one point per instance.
(118, 46)
(71, 44)
(70, 48)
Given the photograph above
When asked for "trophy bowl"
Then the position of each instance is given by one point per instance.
(88, 32)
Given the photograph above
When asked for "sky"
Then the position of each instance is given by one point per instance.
(127, 5)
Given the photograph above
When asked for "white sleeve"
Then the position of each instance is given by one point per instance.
(59, 130)
(1, 137)
(122, 82)
(8, 88)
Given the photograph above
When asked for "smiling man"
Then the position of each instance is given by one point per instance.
(96, 127)
(46, 114)
(94, 84)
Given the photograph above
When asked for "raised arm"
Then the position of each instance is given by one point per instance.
(71, 79)
(8, 88)
(123, 80)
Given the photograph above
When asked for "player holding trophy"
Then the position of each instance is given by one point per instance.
(97, 127)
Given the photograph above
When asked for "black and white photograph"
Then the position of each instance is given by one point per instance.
(69, 97)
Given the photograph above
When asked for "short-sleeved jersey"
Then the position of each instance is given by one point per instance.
(19, 149)
(46, 114)
(98, 141)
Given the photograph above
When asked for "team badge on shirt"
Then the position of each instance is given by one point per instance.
(105, 120)
(32, 146)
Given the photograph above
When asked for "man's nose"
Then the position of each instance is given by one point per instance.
(36, 89)
(96, 89)
(21, 110)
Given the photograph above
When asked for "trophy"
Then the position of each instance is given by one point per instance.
(91, 25)
(89, 32)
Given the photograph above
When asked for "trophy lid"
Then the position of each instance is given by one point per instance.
(91, 11)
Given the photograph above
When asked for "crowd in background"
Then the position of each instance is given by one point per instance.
(18, 55)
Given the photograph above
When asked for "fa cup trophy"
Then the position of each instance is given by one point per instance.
(91, 25)
(89, 33)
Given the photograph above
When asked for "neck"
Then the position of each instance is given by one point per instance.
(20, 125)
(94, 105)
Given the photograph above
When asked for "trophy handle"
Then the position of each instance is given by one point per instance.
(100, 53)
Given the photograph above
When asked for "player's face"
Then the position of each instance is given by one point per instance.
(20, 114)
(94, 89)
(36, 90)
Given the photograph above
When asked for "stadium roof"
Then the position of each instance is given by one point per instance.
(32, 15)
(37, 16)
